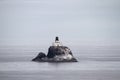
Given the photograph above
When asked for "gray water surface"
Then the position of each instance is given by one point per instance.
(95, 63)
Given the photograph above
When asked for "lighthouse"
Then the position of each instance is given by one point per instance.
(57, 42)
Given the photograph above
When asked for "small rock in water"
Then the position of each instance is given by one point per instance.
(40, 56)
(56, 53)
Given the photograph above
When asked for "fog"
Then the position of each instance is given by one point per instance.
(79, 22)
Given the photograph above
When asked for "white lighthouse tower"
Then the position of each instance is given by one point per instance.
(57, 42)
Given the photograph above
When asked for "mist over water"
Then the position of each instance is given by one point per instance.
(89, 27)
(95, 63)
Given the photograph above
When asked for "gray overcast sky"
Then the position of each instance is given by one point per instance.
(36, 22)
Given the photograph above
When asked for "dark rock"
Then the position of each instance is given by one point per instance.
(56, 54)
(58, 50)
(39, 57)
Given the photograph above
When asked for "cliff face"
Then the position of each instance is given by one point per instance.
(56, 54)
(58, 51)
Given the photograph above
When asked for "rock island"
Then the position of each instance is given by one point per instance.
(56, 53)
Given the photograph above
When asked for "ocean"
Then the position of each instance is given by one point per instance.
(94, 63)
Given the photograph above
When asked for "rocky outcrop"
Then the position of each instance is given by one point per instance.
(56, 54)
(39, 57)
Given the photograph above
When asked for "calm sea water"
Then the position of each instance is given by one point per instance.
(95, 63)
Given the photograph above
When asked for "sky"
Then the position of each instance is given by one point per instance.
(76, 22)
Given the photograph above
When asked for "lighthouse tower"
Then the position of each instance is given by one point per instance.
(57, 42)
